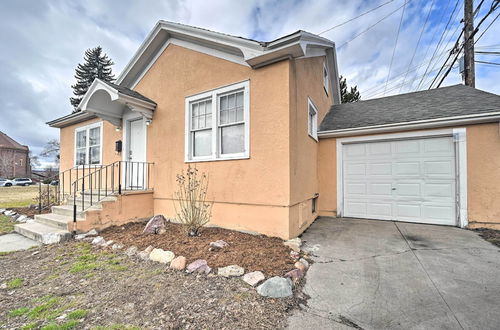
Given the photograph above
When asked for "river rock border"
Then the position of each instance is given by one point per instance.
(273, 287)
(16, 216)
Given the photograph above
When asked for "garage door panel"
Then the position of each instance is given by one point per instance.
(406, 168)
(407, 180)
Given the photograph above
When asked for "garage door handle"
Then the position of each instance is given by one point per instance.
(393, 188)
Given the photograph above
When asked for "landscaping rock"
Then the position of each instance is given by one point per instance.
(217, 245)
(116, 246)
(99, 240)
(276, 287)
(143, 255)
(295, 275)
(198, 266)
(305, 262)
(92, 232)
(16, 216)
(3, 286)
(162, 256)
(294, 244)
(178, 263)
(22, 218)
(2, 210)
(131, 251)
(231, 271)
(254, 278)
(155, 224)
(149, 249)
(80, 236)
(108, 243)
(300, 265)
(294, 255)
(9, 213)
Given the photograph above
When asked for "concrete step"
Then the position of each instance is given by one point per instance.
(86, 200)
(67, 210)
(42, 233)
(55, 220)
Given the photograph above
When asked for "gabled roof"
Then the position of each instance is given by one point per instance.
(129, 92)
(9, 143)
(446, 103)
(238, 49)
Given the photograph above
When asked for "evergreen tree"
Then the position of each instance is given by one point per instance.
(352, 95)
(97, 65)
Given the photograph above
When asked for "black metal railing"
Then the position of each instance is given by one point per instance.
(54, 189)
(111, 179)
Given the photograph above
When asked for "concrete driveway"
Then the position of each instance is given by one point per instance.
(385, 275)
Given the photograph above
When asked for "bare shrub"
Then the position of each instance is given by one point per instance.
(191, 207)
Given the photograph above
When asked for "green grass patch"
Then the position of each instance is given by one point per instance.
(77, 314)
(15, 283)
(83, 266)
(71, 324)
(46, 310)
(6, 253)
(29, 326)
(6, 224)
(18, 312)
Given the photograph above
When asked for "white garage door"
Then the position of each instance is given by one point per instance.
(405, 180)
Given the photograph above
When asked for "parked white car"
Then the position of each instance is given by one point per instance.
(22, 182)
(5, 182)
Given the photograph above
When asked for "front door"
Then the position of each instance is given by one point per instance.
(135, 168)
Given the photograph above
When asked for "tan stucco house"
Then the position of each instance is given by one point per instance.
(264, 121)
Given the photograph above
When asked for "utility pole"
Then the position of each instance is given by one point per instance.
(469, 66)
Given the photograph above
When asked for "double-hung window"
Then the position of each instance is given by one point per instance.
(326, 78)
(217, 124)
(88, 144)
(312, 119)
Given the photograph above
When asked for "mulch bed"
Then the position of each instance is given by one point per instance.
(491, 235)
(252, 252)
(116, 291)
(29, 211)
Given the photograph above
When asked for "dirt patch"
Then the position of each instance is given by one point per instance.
(75, 285)
(491, 235)
(29, 211)
(252, 252)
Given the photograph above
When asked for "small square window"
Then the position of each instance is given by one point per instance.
(326, 78)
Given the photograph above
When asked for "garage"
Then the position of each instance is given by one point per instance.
(410, 180)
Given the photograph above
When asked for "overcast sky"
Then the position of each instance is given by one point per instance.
(43, 41)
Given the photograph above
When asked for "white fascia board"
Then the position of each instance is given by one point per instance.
(421, 124)
(74, 118)
(97, 84)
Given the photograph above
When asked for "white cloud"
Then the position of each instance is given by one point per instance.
(43, 41)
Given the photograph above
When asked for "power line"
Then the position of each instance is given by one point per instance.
(373, 25)
(487, 53)
(395, 44)
(489, 25)
(440, 40)
(352, 19)
(491, 63)
(492, 9)
(418, 42)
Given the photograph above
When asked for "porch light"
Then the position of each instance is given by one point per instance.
(148, 122)
(118, 128)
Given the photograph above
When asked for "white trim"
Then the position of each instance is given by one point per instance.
(87, 153)
(460, 138)
(214, 96)
(418, 124)
(314, 133)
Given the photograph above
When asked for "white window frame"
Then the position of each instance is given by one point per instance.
(87, 128)
(326, 79)
(216, 138)
(314, 131)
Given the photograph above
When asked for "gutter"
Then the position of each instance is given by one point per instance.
(414, 125)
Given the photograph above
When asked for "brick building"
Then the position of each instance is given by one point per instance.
(14, 158)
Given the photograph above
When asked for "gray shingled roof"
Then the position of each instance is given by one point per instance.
(129, 92)
(457, 100)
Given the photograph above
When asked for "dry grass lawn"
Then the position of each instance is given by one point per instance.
(6, 224)
(18, 196)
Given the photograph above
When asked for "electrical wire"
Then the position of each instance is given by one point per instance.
(491, 63)
(373, 25)
(352, 19)
(395, 44)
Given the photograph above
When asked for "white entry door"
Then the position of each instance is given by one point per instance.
(135, 168)
(407, 180)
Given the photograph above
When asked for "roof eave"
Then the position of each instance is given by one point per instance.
(74, 118)
(412, 125)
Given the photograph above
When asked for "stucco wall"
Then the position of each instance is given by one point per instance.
(306, 81)
(249, 194)
(483, 175)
